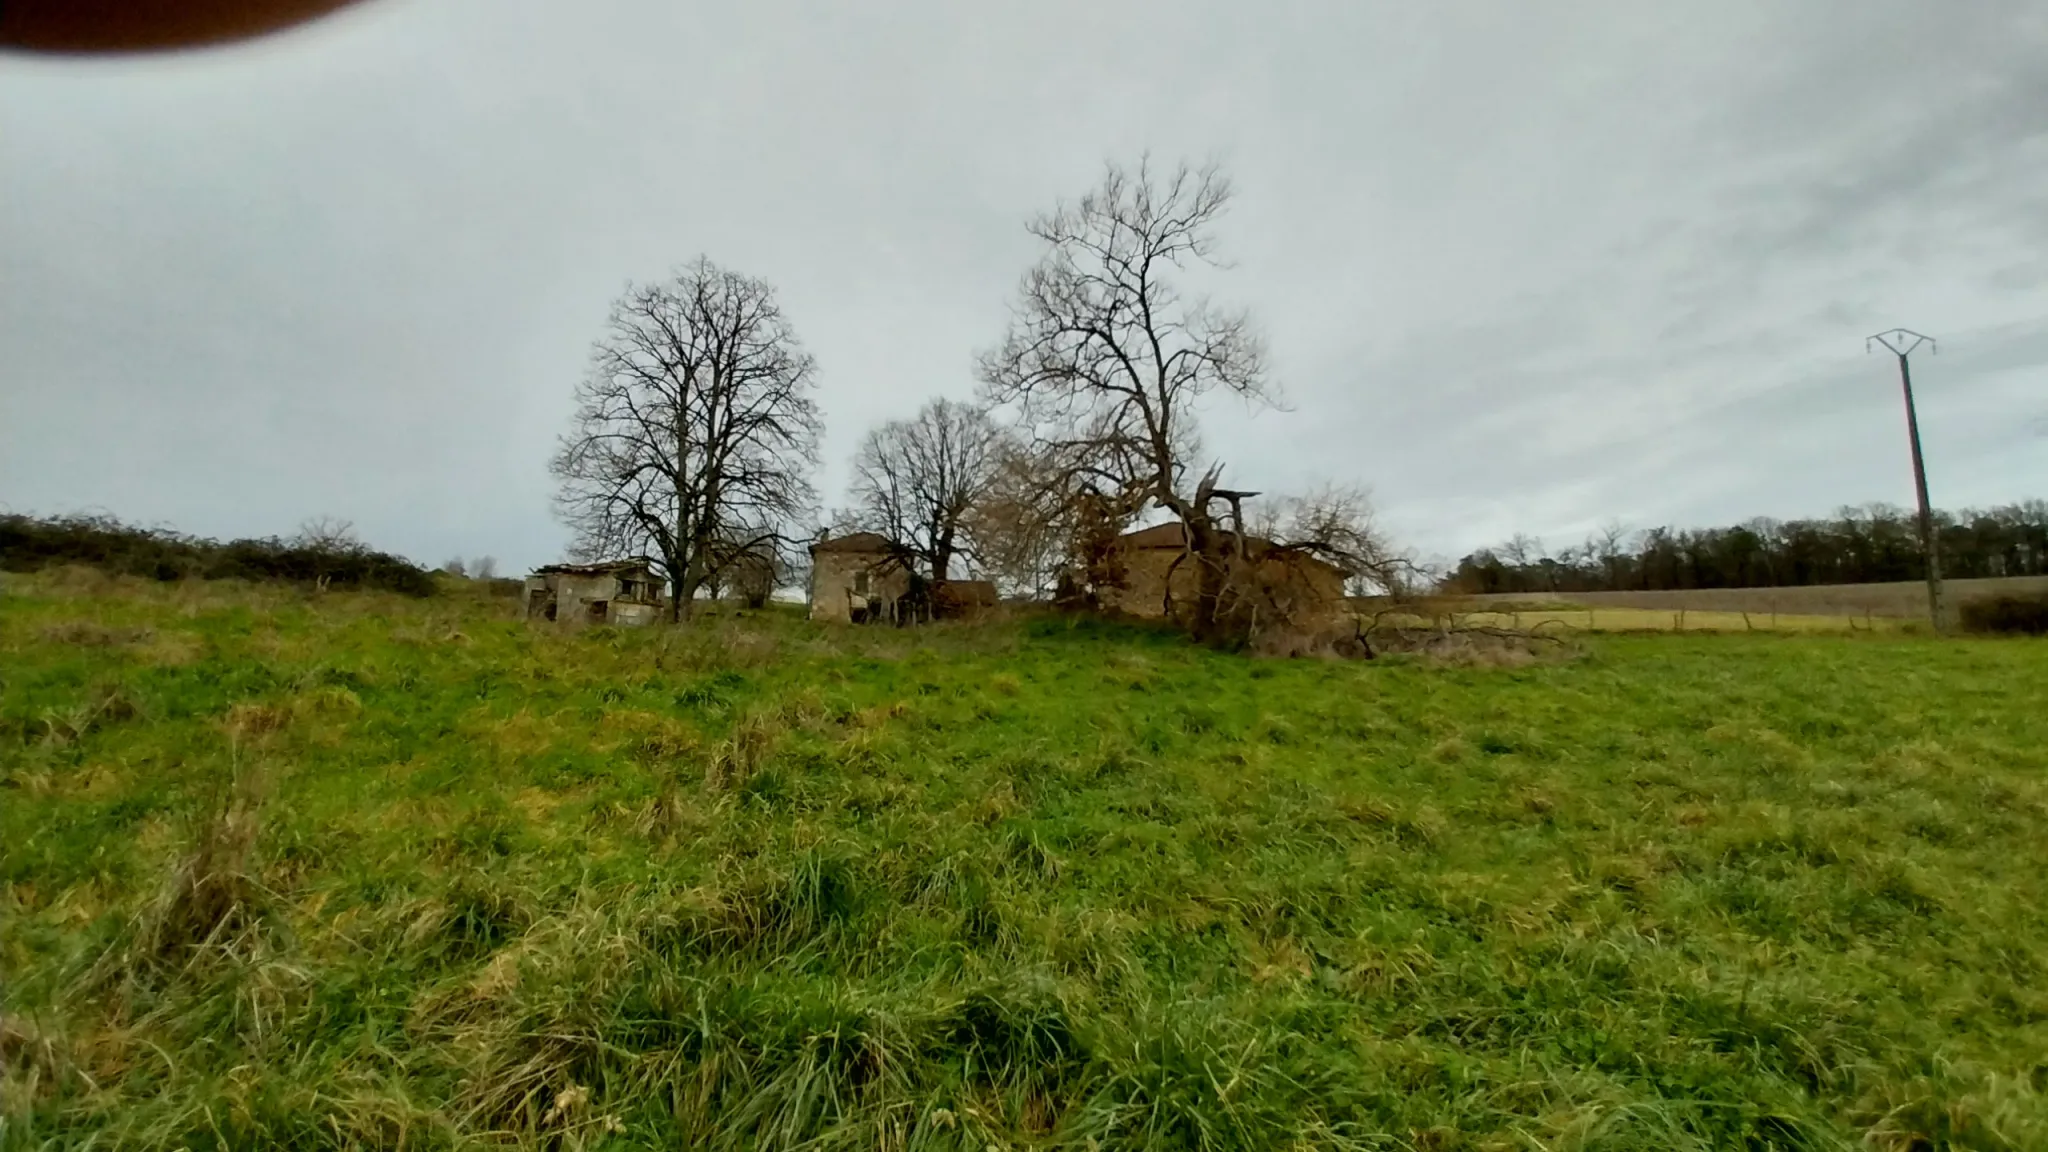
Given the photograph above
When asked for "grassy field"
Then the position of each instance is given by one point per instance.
(1536, 615)
(1906, 600)
(279, 870)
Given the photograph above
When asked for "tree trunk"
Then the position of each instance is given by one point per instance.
(1209, 554)
(682, 591)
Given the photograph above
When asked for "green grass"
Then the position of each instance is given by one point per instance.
(353, 871)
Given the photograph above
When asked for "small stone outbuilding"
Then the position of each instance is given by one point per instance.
(1155, 561)
(613, 592)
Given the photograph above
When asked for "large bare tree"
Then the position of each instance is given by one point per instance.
(694, 432)
(1108, 356)
(916, 481)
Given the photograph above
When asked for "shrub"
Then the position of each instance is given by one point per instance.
(28, 544)
(2024, 613)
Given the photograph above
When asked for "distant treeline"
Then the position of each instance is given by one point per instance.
(1873, 544)
(326, 557)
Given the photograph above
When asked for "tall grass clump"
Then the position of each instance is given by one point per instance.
(212, 899)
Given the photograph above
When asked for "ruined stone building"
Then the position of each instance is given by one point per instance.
(859, 577)
(612, 592)
(853, 576)
(1154, 561)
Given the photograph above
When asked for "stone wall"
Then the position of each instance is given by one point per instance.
(1146, 573)
(1300, 587)
(1145, 576)
(577, 596)
(533, 600)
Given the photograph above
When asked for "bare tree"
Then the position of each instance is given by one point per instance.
(915, 481)
(1025, 524)
(1336, 523)
(755, 582)
(749, 573)
(1107, 358)
(330, 534)
(1522, 550)
(1609, 546)
(694, 430)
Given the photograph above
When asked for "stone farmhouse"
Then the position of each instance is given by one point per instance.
(613, 592)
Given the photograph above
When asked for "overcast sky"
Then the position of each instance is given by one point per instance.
(1522, 267)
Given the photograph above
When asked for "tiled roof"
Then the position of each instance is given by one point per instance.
(854, 542)
(600, 568)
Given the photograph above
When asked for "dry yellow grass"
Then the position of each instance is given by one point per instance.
(1680, 620)
(1557, 618)
(1903, 600)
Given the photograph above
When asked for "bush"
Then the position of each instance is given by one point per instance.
(28, 544)
(2023, 613)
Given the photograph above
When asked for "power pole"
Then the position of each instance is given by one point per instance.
(1901, 342)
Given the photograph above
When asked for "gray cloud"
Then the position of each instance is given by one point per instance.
(1521, 270)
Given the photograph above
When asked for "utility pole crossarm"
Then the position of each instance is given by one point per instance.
(1900, 341)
